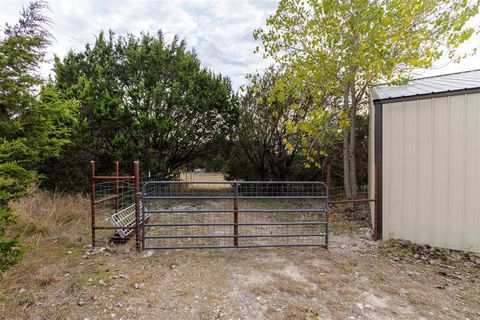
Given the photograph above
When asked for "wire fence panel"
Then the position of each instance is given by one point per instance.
(357, 208)
(194, 214)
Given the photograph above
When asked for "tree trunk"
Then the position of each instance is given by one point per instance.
(346, 149)
(346, 166)
(353, 143)
(350, 105)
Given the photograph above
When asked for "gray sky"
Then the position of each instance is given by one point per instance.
(219, 30)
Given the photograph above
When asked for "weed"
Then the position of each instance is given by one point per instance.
(301, 311)
(290, 286)
(26, 300)
(46, 275)
(45, 215)
(260, 289)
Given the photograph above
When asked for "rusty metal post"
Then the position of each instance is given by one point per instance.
(235, 214)
(117, 189)
(92, 199)
(136, 169)
(376, 233)
(329, 175)
(327, 215)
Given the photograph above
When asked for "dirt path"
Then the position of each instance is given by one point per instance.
(354, 279)
(349, 281)
(61, 278)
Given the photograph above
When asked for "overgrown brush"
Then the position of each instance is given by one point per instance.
(35, 123)
(51, 216)
(50, 226)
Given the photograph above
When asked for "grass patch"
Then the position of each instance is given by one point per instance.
(95, 276)
(52, 227)
(270, 204)
(301, 311)
(260, 289)
(286, 284)
(46, 275)
(25, 300)
(51, 216)
(344, 227)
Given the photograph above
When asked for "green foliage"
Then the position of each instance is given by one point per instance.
(143, 98)
(337, 50)
(334, 42)
(33, 127)
(214, 162)
(267, 144)
(10, 250)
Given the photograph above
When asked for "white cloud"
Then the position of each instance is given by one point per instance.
(446, 65)
(220, 31)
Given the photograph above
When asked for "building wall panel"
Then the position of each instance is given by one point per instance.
(409, 172)
(471, 222)
(423, 199)
(431, 171)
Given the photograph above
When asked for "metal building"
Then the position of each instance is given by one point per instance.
(425, 147)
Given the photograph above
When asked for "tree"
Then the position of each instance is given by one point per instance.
(344, 47)
(266, 145)
(33, 127)
(143, 98)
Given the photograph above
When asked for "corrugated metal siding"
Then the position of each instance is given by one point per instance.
(431, 171)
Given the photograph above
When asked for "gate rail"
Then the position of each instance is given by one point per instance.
(309, 218)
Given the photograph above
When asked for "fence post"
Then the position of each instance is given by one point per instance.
(327, 216)
(92, 199)
(117, 189)
(376, 233)
(235, 214)
(329, 174)
(136, 169)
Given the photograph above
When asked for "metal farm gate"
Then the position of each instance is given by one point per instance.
(202, 215)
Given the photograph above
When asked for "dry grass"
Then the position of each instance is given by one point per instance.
(301, 311)
(288, 285)
(318, 274)
(46, 275)
(201, 176)
(341, 225)
(260, 289)
(51, 216)
(53, 227)
(414, 253)
(57, 280)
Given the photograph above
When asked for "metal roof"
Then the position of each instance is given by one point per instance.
(429, 85)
